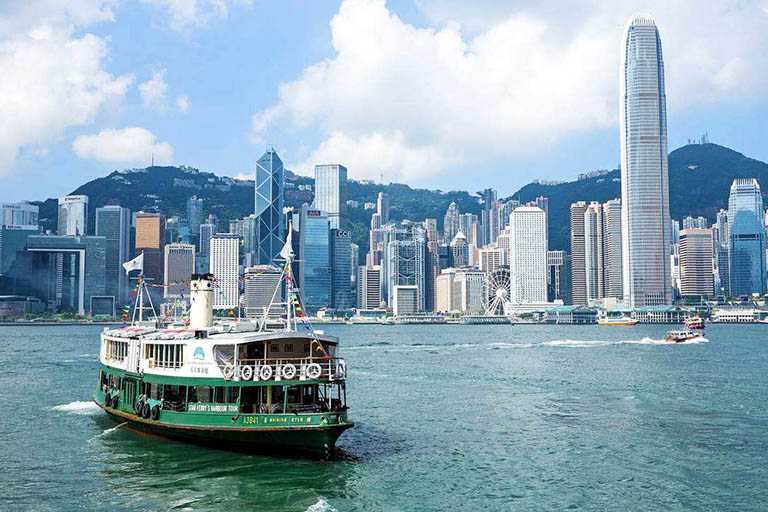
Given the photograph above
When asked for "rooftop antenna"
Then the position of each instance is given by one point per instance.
(153, 159)
(382, 177)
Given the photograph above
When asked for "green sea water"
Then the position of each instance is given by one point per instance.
(447, 418)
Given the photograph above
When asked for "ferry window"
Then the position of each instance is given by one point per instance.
(202, 394)
(226, 395)
(274, 347)
(289, 347)
(277, 394)
(294, 395)
(156, 391)
(306, 347)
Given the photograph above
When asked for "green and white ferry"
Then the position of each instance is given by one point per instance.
(235, 385)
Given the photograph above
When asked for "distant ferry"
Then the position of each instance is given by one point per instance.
(681, 336)
(694, 322)
(239, 385)
(617, 320)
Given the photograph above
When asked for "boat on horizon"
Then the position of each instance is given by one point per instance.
(236, 385)
(682, 335)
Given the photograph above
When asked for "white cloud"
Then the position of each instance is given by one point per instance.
(413, 102)
(182, 103)
(153, 91)
(51, 80)
(133, 145)
(193, 13)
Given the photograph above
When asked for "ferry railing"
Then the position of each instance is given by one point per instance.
(289, 369)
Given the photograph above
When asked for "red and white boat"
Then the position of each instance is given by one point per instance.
(682, 336)
(694, 322)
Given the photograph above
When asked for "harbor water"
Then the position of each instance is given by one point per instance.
(448, 417)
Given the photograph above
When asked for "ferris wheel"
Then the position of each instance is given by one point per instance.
(498, 292)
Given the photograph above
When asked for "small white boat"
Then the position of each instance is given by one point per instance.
(681, 336)
(616, 320)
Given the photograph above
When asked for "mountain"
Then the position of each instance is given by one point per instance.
(699, 179)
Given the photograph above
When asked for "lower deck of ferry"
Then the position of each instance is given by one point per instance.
(291, 419)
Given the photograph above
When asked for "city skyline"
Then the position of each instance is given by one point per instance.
(165, 117)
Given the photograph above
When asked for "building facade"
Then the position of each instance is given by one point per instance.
(578, 257)
(528, 255)
(314, 259)
(644, 173)
(747, 239)
(114, 223)
(150, 240)
(179, 267)
(696, 269)
(73, 216)
(331, 193)
(270, 185)
(340, 260)
(225, 267)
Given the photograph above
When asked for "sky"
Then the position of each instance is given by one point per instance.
(434, 93)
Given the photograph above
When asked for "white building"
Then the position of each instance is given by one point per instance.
(528, 254)
(405, 300)
(260, 288)
(490, 259)
(444, 291)
(369, 287)
(225, 267)
(644, 166)
(468, 291)
(73, 216)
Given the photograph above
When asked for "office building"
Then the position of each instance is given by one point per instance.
(150, 240)
(695, 222)
(722, 243)
(405, 266)
(602, 250)
(644, 173)
(341, 286)
(406, 299)
(194, 213)
(444, 291)
(459, 251)
(179, 267)
(747, 243)
(225, 267)
(73, 216)
(331, 193)
(696, 269)
(369, 287)
(261, 290)
(578, 256)
(114, 224)
(559, 276)
(468, 291)
(314, 259)
(431, 264)
(206, 233)
(451, 222)
(490, 259)
(528, 255)
(17, 222)
(270, 185)
(382, 206)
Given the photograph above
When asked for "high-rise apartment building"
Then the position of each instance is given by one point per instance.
(602, 250)
(73, 216)
(269, 206)
(644, 173)
(696, 270)
(225, 267)
(747, 238)
(179, 267)
(528, 255)
(114, 223)
(331, 193)
(578, 256)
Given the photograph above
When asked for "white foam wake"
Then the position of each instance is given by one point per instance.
(321, 506)
(79, 407)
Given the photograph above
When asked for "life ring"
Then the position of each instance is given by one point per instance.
(138, 405)
(229, 371)
(289, 371)
(145, 411)
(341, 370)
(265, 373)
(115, 401)
(246, 372)
(108, 400)
(314, 371)
(155, 412)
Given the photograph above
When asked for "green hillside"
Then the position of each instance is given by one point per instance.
(699, 175)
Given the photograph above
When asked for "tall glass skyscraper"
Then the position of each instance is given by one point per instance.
(644, 175)
(114, 223)
(746, 233)
(314, 259)
(269, 206)
(331, 193)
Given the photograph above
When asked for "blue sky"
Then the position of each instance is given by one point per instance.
(429, 92)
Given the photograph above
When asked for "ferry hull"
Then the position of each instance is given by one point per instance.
(282, 441)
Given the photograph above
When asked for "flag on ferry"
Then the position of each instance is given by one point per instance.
(136, 263)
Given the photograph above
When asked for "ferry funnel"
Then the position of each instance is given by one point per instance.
(201, 301)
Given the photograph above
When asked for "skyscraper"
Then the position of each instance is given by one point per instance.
(314, 259)
(602, 250)
(331, 193)
(206, 233)
(746, 231)
(114, 223)
(340, 247)
(528, 254)
(179, 267)
(593, 251)
(459, 251)
(17, 222)
(225, 267)
(369, 287)
(382, 206)
(644, 174)
(578, 262)
(696, 271)
(451, 222)
(73, 215)
(150, 240)
(269, 206)
(194, 214)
